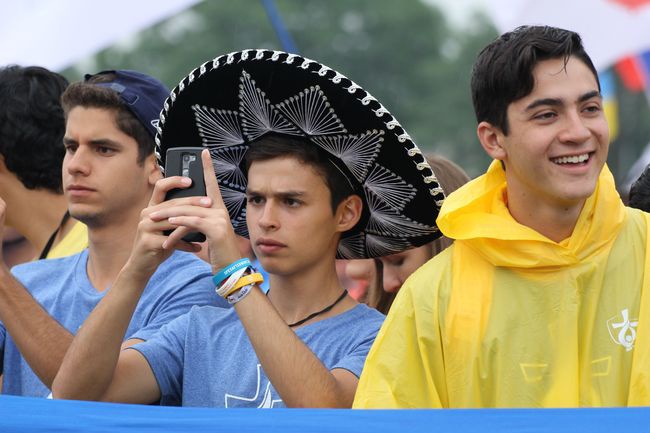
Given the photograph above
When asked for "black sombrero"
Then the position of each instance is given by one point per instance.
(230, 102)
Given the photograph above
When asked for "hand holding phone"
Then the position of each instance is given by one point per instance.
(186, 161)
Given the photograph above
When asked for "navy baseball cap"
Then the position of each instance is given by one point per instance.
(142, 94)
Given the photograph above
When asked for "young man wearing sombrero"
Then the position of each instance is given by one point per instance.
(543, 299)
(309, 166)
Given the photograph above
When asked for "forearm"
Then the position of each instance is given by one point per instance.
(87, 369)
(294, 370)
(42, 341)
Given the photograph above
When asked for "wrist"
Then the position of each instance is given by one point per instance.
(135, 273)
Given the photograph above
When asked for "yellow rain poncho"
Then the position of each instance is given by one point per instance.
(508, 318)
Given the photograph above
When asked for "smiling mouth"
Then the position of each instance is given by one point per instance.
(575, 159)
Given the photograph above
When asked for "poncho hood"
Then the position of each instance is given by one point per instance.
(477, 215)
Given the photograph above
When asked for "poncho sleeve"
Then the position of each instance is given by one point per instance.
(405, 367)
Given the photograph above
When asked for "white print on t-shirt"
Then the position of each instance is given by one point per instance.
(264, 401)
(623, 332)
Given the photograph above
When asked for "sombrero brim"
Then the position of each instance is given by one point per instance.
(230, 102)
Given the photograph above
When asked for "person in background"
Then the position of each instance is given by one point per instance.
(384, 276)
(542, 300)
(109, 171)
(32, 125)
(639, 196)
(16, 248)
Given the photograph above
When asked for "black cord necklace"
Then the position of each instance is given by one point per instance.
(318, 313)
(50, 241)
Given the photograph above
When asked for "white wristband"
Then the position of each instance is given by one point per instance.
(227, 285)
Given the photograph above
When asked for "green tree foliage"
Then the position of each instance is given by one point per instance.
(403, 52)
(633, 134)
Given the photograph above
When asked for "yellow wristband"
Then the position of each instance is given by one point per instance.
(246, 280)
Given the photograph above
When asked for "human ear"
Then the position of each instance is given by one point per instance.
(348, 212)
(491, 139)
(152, 169)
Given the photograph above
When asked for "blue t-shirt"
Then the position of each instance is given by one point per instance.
(204, 358)
(62, 287)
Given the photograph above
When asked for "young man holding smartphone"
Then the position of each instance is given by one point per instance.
(309, 166)
(109, 172)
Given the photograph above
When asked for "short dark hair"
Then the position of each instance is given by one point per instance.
(32, 125)
(639, 196)
(87, 94)
(503, 71)
(275, 146)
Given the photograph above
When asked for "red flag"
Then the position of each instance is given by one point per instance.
(631, 73)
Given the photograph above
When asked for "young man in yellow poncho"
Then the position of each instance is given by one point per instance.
(542, 301)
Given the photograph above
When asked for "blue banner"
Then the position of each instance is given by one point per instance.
(26, 414)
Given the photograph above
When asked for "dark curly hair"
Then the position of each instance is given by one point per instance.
(32, 125)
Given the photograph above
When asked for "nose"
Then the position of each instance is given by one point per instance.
(77, 162)
(268, 219)
(575, 129)
(392, 283)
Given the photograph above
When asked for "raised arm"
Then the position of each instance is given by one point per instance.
(295, 371)
(96, 367)
(40, 338)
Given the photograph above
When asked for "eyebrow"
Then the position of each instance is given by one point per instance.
(104, 141)
(97, 142)
(557, 101)
(281, 194)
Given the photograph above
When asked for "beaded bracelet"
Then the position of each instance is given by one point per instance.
(239, 294)
(224, 273)
(246, 280)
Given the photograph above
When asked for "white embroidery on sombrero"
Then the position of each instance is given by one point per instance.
(226, 162)
(383, 246)
(290, 58)
(239, 224)
(312, 113)
(352, 247)
(380, 111)
(353, 87)
(258, 116)
(337, 78)
(233, 200)
(390, 187)
(358, 152)
(217, 127)
(384, 220)
(436, 191)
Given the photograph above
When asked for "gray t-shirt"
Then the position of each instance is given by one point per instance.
(204, 358)
(62, 287)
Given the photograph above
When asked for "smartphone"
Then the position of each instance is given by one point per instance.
(186, 161)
